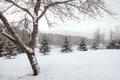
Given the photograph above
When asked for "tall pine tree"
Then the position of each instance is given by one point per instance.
(44, 48)
(82, 46)
(66, 46)
(11, 53)
(3, 47)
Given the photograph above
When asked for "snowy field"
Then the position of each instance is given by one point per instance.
(78, 65)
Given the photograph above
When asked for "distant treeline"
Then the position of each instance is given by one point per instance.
(58, 39)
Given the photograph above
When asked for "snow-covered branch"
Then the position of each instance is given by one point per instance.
(14, 35)
(7, 35)
(29, 49)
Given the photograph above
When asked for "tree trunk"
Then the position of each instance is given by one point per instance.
(34, 63)
(16, 39)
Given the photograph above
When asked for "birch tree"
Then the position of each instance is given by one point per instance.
(36, 9)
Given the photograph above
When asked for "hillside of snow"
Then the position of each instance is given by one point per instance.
(78, 65)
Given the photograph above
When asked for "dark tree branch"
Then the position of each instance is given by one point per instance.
(12, 33)
(7, 8)
(37, 7)
(8, 36)
(24, 9)
(35, 25)
(53, 4)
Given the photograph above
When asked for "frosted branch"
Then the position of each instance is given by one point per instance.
(29, 49)
(7, 35)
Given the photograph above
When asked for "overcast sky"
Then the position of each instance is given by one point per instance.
(85, 26)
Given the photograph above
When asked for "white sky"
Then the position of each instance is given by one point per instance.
(88, 25)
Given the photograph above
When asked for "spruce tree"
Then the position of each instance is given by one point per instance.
(119, 44)
(44, 48)
(10, 50)
(66, 46)
(1, 48)
(82, 46)
(111, 45)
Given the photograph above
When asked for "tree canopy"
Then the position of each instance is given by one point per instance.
(61, 9)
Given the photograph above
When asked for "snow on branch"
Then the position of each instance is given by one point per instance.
(29, 49)
(35, 18)
(15, 36)
(3, 31)
(7, 35)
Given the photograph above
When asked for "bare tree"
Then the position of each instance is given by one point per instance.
(115, 34)
(99, 37)
(111, 35)
(36, 9)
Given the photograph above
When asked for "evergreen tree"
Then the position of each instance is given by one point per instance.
(114, 45)
(10, 50)
(1, 48)
(94, 46)
(111, 45)
(82, 46)
(44, 48)
(119, 44)
(66, 46)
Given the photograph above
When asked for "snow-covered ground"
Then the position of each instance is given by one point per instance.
(78, 65)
